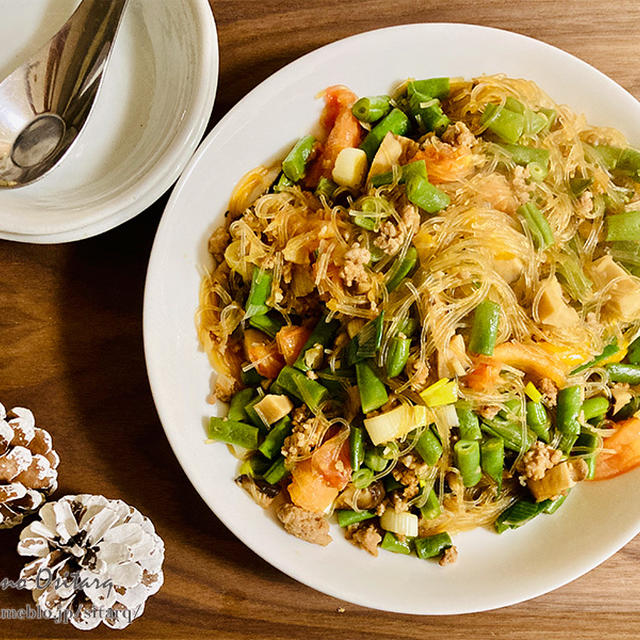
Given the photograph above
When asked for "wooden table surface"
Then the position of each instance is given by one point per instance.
(71, 350)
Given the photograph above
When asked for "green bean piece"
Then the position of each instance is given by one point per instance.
(407, 326)
(322, 334)
(372, 391)
(371, 108)
(402, 268)
(282, 183)
(568, 410)
(492, 459)
(586, 446)
(274, 440)
(397, 355)
(538, 420)
(251, 377)
(267, 324)
(629, 163)
(468, 423)
(395, 122)
(514, 105)
(326, 188)
(429, 447)
(347, 517)
(466, 454)
(431, 508)
(608, 155)
(362, 478)
(356, 448)
(579, 185)
(633, 352)
(484, 329)
(538, 226)
(610, 350)
(238, 402)
(556, 504)
(432, 87)
(619, 372)
(276, 472)
(425, 195)
(391, 543)
(258, 293)
(233, 432)
(366, 342)
(510, 432)
(407, 171)
(524, 155)
(594, 407)
(629, 409)
(518, 514)
(296, 384)
(426, 111)
(369, 222)
(503, 122)
(624, 226)
(551, 115)
(253, 416)
(255, 466)
(374, 460)
(534, 122)
(294, 164)
(432, 546)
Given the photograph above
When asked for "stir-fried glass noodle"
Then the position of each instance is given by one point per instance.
(425, 320)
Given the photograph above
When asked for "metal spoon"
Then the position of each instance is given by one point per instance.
(45, 102)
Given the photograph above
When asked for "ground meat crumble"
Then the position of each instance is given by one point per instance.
(390, 238)
(538, 460)
(365, 536)
(458, 134)
(549, 392)
(449, 556)
(304, 435)
(353, 272)
(305, 525)
(521, 187)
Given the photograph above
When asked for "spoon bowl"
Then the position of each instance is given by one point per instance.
(46, 101)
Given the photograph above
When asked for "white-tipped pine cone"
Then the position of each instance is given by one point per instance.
(28, 466)
(98, 560)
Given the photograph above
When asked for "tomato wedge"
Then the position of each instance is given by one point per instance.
(332, 461)
(625, 443)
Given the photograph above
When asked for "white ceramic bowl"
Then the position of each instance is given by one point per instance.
(150, 114)
(492, 570)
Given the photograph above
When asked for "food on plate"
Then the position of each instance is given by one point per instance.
(425, 319)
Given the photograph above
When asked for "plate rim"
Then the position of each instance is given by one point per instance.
(151, 187)
(615, 544)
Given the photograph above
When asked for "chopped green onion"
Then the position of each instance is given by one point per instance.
(610, 350)
(362, 478)
(532, 392)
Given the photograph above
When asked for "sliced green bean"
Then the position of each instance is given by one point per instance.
(267, 324)
(238, 402)
(538, 226)
(322, 334)
(610, 350)
(259, 292)
(594, 407)
(362, 478)
(568, 410)
(356, 448)
(466, 454)
(372, 390)
(407, 171)
(431, 508)
(429, 447)
(556, 504)
(510, 432)
(326, 188)
(518, 514)
(347, 517)
(397, 355)
(619, 372)
(425, 195)
(276, 472)
(432, 87)
(391, 543)
(366, 342)
(274, 440)
(432, 546)
(251, 377)
(586, 446)
(484, 329)
(503, 122)
(401, 268)
(468, 423)
(633, 353)
(492, 459)
(427, 111)
(624, 226)
(296, 384)
(538, 420)
(233, 432)
(371, 108)
(293, 166)
(374, 460)
(524, 155)
(395, 122)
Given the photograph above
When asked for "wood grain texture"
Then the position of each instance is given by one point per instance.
(71, 349)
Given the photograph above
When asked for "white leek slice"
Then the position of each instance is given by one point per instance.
(405, 523)
(395, 423)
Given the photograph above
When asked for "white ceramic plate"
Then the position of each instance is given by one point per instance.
(150, 114)
(492, 570)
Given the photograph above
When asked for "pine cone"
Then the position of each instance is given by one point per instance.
(98, 560)
(28, 466)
